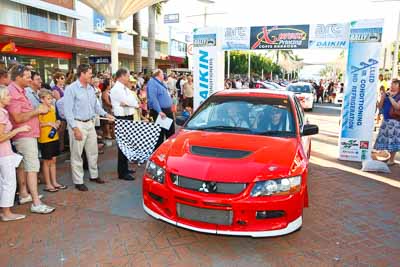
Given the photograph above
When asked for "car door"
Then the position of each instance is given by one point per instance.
(305, 140)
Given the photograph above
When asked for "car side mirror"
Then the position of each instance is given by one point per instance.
(180, 120)
(310, 129)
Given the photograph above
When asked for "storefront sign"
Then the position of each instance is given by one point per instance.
(236, 38)
(99, 25)
(99, 60)
(329, 35)
(279, 37)
(359, 99)
(203, 40)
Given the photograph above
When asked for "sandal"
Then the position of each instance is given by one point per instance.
(61, 187)
(15, 218)
(51, 190)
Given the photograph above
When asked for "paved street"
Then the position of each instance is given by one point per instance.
(353, 220)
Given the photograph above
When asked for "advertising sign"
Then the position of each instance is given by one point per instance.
(329, 35)
(100, 60)
(236, 38)
(208, 73)
(202, 40)
(171, 18)
(280, 37)
(99, 24)
(360, 97)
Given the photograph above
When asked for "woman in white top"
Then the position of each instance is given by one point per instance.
(8, 160)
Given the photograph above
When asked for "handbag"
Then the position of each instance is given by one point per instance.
(394, 114)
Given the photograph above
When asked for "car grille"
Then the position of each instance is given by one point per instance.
(219, 152)
(207, 186)
(221, 217)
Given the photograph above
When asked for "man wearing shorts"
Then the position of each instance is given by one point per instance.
(22, 113)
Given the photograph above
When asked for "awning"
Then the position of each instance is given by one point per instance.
(49, 7)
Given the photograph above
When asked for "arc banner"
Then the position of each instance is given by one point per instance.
(359, 101)
(335, 35)
(236, 38)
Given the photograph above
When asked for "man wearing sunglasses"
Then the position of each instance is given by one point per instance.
(23, 113)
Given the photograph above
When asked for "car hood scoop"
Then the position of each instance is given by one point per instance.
(219, 152)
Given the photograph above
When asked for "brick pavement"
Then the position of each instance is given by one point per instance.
(353, 220)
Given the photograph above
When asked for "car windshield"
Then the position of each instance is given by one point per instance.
(299, 88)
(245, 115)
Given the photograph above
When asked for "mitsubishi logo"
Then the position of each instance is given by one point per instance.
(208, 187)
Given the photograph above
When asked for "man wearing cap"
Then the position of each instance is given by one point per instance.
(124, 105)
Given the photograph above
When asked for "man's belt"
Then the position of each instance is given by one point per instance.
(84, 120)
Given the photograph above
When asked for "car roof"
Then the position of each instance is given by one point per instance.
(255, 92)
(300, 83)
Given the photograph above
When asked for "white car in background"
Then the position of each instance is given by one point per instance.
(269, 85)
(339, 98)
(304, 93)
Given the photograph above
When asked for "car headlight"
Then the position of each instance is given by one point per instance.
(155, 172)
(276, 187)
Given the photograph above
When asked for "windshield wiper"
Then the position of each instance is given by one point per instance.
(276, 133)
(223, 128)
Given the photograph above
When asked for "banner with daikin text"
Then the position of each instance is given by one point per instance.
(208, 67)
(359, 101)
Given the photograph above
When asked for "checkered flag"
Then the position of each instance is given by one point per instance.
(136, 139)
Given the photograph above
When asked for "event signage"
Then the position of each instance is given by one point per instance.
(280, 37)
(208, 74)
(329, 35)
(202, 40)
(236, 38)
(99, 25)
(360, 97)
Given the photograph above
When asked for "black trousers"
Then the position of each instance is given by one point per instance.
(122, 160)
(165, 134)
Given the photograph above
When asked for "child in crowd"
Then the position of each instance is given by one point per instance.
(174, 107)
(49, 142)
(187, 112)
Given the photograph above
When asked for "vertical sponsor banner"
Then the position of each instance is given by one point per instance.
(359, 102)
(208, 64)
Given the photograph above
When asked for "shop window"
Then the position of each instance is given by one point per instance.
(37, 19)
(158, 46)
(53, 19)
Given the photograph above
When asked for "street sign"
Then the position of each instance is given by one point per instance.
(171, 18)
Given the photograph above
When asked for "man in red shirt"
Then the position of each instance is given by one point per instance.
(22, 113)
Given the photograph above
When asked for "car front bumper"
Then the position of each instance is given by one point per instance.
(243, 209)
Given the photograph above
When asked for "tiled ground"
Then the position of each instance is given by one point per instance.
(353, 220)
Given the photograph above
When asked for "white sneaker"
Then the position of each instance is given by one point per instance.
(42, 209)
(24, 200)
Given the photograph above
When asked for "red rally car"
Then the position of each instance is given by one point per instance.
(238, 166)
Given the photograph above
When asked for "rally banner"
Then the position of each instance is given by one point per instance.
(236, 38)
(334, 35)
(208, 72)
(280, 37)
(136, 139)
(359, 100)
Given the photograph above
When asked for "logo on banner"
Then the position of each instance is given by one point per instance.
(202, 40)
(236, 38)
(328, 36)
(280, 37)
(368, 35)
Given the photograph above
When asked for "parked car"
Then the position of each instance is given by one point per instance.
(304, 93)
(238, 166)
(268, 85)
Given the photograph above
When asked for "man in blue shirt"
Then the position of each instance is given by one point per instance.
(160, 103)
(80, 110)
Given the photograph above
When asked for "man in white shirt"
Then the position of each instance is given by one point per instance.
(171, 83)
(123, 104)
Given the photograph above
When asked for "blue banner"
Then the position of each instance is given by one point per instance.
(359, 102)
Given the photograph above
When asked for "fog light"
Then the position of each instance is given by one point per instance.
(269, 214)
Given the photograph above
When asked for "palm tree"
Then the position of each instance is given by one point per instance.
(287, 54)
(137, 43)
(154, 12)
